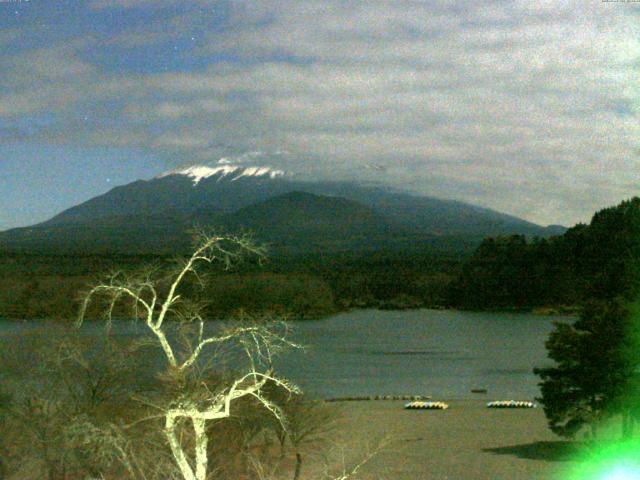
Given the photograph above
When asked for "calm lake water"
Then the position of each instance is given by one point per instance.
(432, 352)
(417, 352)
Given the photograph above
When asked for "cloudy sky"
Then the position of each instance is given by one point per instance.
(528, 107)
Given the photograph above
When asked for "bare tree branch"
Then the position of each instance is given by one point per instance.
(258, 341)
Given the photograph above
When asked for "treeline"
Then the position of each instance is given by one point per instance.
(557, 274)
(302, 287)
(588, 262)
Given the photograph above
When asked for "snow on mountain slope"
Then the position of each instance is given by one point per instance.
(199, 172)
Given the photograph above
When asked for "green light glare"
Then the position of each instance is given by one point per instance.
(622, 473)
(607, 461)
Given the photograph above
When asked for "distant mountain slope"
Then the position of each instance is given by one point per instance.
(179, 192)
(433, 215)
(300, 221)
(153, 215)
(135, 234)
(294, 222)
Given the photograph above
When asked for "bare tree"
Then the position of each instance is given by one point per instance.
(55, 387)
(311, 424)
(196, 403)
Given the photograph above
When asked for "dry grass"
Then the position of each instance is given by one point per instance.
(467, 441)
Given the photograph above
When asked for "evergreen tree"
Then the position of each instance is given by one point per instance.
(595, 370)
(597, 358)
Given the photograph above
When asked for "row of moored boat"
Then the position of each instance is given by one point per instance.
(444, 406)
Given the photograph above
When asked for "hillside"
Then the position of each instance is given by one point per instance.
(587, 262)
(155, 216)
(306, 222)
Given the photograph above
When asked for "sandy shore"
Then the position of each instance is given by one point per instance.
(467, 441)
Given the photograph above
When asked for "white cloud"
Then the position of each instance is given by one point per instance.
(527, 107)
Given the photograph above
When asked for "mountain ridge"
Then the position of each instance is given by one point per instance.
(225, 195)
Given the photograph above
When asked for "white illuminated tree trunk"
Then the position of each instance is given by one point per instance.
(258, 342)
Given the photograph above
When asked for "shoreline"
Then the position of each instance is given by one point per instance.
(465, 441)
(537, 311)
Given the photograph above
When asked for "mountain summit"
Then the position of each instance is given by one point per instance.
(149, 216)
(233, 172)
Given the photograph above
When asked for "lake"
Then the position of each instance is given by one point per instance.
(431, 352)
(415, 352)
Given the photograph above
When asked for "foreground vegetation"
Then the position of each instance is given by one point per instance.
(80, 406)
(198, 405)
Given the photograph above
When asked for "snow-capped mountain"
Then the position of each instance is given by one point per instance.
(154, 215)
(220, 188)
(234, 172)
